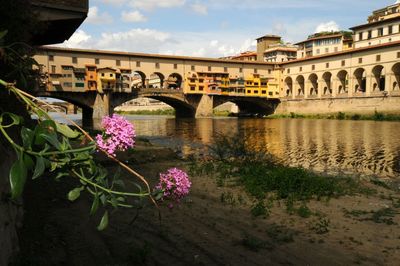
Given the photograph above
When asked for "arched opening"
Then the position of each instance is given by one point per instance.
(360, 80)
(343, 77)
(137, 80)
(396, 74)
(144, 106)
(327, 77)
(156, 80)
(288, 87)
(227, 108)
(300, 85)
(379, 78)
(313, 79)
(174, 81)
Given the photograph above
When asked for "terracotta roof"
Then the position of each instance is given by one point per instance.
(269, 36)
(350, 51)
(291, 49)
(321, 38)
(375, 23)
(143, 55)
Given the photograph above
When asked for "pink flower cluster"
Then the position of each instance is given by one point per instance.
(119, 134)
(174, 184)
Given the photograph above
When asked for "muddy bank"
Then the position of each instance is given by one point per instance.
(213, 226)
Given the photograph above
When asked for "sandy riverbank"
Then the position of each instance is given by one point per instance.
(213, 226)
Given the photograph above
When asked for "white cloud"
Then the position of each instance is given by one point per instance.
(95, 17)
(199, 8)
(79, 39)
(328, 26)
(214, 43)
(113, 2)
(153, 4)
(133, 16)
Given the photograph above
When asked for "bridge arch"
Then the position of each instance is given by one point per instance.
(300, 85)
(288, 86)
(327, 77)
(360, 77)
(138, 79)
(379, 80)
(313, 79)
(254, 106)
(396, 74)
(156, 80)
(175, 81)
(343, 77)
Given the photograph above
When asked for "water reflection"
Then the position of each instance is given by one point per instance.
(366, 147)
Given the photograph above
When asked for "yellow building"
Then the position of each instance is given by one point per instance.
(106, 79)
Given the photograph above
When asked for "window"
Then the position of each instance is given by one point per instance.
(378, 58)
(327, 65)
(157, 65)
(288, 71)
(318, 51)
(193, 68)
(102, 74)
(51, 57)
(225, 69)
(360, 60)
(97, 61)
(137, 63)
(313, 67)
(67, 84)
(380, 32)
(74, 60)
(209, 68)
(240, 70)
(360, 36)
(269, 71)
(201, 88)
(390, 29)
(192, 88)
(326, 50)
(118, 62)
(343, 62)
(111, 75)
(53, 69)
(255, 71)
(369, 34)
(175, 66)
(300, 69)
(398, 54)
(256, 91)
(263, 92)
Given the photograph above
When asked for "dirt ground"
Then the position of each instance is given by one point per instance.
(213, 226)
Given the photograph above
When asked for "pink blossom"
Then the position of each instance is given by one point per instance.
(119, 134)
(174, 185)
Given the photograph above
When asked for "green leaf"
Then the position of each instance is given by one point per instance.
(27, 136)
(61, 175)
(74, 194)
(3, 33)
(18, 175)
(46, 127)
(52, 139)
(39, 167)
(95, 205)
(28, 162)
(104, 222)
(67, 131)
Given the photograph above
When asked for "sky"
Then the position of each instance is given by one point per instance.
(211, 28)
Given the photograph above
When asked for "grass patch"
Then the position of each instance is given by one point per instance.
(167, 112)
(254, 243)
(264, 179)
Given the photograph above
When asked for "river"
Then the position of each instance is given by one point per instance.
(333, 146)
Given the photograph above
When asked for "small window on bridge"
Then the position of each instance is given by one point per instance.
(175, 66)
(193, 68)
(118, 62)
(209, 68)
(255, 71)
(343, 62)
(137, 64)
(225, 69)
(74, 60)
(51, 57)
(240, 70)
(269, 71)
(157, 65)
(378, 58)
(97, 61)
(313, 67)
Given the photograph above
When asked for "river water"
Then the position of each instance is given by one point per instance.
(362, 147)
(333, 146)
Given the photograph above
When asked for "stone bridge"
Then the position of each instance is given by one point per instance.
(96, 105)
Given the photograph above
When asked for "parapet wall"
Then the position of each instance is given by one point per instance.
(351, 105)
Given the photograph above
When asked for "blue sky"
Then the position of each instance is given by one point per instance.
(211, 28)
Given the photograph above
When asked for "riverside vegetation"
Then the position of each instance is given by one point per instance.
(376, 116)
